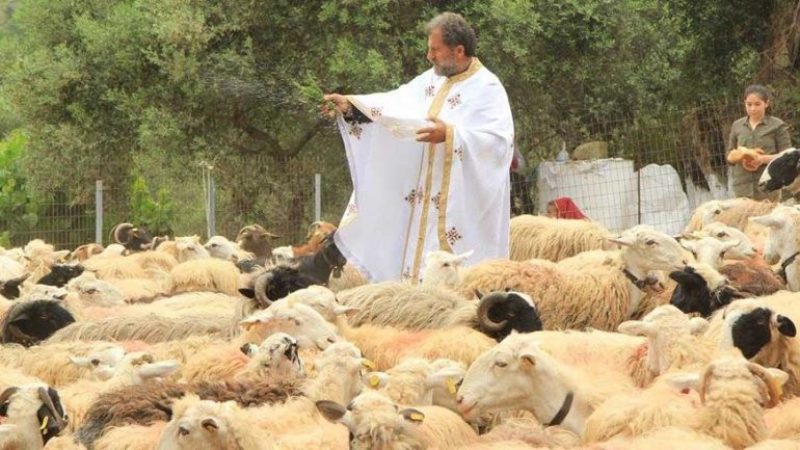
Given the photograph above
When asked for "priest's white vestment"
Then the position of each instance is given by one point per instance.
(410, 198)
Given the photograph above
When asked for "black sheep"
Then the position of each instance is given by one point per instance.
(29, 323)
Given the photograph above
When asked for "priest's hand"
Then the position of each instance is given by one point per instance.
(433, 134)
(339, 101)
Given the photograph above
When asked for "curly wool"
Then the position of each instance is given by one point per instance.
(150, 328)
(554, 239)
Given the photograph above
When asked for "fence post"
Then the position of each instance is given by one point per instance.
(211, 202)
(317, 197)
(98, 212)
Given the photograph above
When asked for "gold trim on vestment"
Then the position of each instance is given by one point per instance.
(445, 190)
(433, 112)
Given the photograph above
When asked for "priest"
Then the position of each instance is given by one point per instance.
(429, 162)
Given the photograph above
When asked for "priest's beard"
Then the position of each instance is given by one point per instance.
(446, 68)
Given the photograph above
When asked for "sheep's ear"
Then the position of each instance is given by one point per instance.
(786, 326)
(767, 221)
(636, 328)
(158, 369)
(625, 241)
(249, 349)
(448, 378)
(682, 381)
(330, 410)
(375, 380)
(464, 256)
(15, 281)
(210, 424)
(80, 361)
(412, 415)
(780, 377)
(478, 294)
(249, 322)
(247, 292)
(698, 325)
(528, 359)
(346, 310)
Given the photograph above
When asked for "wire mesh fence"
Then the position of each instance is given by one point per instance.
(622, 170)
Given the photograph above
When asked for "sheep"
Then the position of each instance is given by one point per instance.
(783, 421)
(275, 359)
(350, 277)
(781, 171)
(256, 240)
(733, 392)
(701, 289)
(93, 292)
(210, 274)
(184, 248)
(28, 323)
(417, 307)
(413, 380)
(376, 422)
(783, 244)
(60, 274)
(221, 248)
(40, 256)
(745, 248)
(442, 268)
(317, 232)
(597, 289)
(554, 239)
(705, 214)
(518, 374)
(764, 331)
(709, 250)
(86, 251)
(34, 416)
(294, 318)
(9, 288)
(133, 238)
(150, 328)
(150, 259)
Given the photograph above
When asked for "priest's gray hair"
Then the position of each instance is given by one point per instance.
(455, 31)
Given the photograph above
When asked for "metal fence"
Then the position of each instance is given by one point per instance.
(649, 168)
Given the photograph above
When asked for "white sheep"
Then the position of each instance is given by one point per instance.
(783, 244)
(554, 239)
(413, 380)
(22, 428)
(442, 268)
(598, 289)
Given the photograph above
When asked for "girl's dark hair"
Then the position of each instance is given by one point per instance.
(759, 90)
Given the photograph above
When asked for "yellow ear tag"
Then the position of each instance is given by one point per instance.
(451, 385)
(374, 380)
(368, 364)
(417, 417)
(44, 424)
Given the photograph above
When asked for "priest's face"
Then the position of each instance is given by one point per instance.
(443, 57)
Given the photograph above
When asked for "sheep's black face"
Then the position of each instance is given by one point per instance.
(332, 254)
(780, 172)
(60, 274)
(514, 310)
(46, 417)
(751, 332)
(692, 293)
(32, 322)
(10, 288)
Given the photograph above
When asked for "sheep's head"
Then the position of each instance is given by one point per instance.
(132, 237)
(275, 359)
(744, 248)
(701, 289)
(781, 171)
(10, 288)
(301, 321)
(414, 380)
(500, 313)
(16, 401)
(31, 322)
(201, 425)
(220, 247)
(96, 292)
(255, 239)
(709, 250)
(101, 362)
(189, 248)
(783, 223)
(753, 327)
(649, 250)
(442, 268)
(86, 251)
(60, 274)
(376, 422)
(332, 255)
(323, 300)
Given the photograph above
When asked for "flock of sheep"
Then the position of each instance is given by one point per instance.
(582, 339)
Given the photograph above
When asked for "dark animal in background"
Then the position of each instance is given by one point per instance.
(692, 294)
(10, 288)
(135, 239)
(258, 241)
(781, 171)
(60, 274)
(29, 323)
(500, 313)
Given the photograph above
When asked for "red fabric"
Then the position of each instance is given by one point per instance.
(567, 209)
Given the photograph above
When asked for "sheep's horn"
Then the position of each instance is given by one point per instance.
(121, 233)
(260, 289)
(773, 387)
(486, 304)
(7, 394)
(48, 402)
